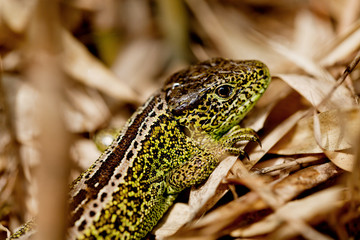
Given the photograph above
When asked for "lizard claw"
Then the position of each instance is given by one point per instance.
(258, 142)
(246, 155)
(236, 135)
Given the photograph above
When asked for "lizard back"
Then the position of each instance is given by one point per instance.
(122, 192)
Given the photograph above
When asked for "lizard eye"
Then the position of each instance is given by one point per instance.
(224, 91)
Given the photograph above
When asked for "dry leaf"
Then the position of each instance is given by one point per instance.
(335, 129)
(85, 68)
(319, 89)
(221, 221)
(87, 111)
(342, 159)
(178, 215)
(21, 9)
(345, 45)
(305, 209)
(268, 141)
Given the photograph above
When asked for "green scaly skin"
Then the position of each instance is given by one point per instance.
(174, 141)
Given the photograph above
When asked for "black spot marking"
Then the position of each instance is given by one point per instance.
(202, 121)
(153, 114)
(160, 106)
(103, 234)
(129, 155)
(117, 176)
(155, 151)
(82, 226)
(103, 196)
(92, 213)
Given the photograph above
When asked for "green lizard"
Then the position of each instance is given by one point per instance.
(174, 141)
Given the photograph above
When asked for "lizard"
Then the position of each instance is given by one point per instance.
(172, 142)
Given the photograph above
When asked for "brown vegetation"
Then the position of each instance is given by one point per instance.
(71, 68)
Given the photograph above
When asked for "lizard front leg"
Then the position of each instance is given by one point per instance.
(191, 173)
(235, 135)
(199, 168)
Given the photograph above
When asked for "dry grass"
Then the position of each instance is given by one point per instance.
(71, 68)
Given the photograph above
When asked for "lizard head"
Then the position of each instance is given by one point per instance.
(215, 95)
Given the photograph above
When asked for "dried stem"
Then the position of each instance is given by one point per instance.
(45, 73)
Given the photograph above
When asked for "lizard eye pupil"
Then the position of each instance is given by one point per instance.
(224, 91)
